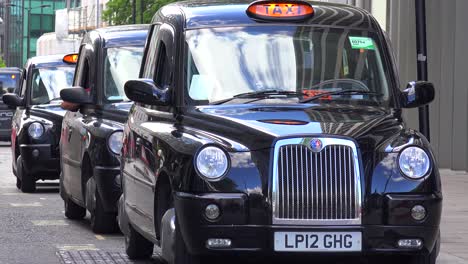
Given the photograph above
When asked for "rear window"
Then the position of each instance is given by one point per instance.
(8, 82)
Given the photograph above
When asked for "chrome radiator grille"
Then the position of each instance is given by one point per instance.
(316, 187)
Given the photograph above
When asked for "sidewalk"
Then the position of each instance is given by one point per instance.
(454, 217)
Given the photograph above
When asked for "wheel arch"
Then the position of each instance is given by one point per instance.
(162, 200)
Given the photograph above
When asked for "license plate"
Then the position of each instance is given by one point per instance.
(318, 241)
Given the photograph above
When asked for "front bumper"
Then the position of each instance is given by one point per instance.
(108, 185)
(259, 239)
(39, 160)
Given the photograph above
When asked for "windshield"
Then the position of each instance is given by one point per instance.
(8, 82)
(225, 62)
(122, 64)
(48, 82)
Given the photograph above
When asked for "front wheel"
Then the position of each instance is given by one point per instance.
(181, 254)
(27, 181)
(18, 183)
(101, 221)
(73, 211)
(136, 246)
(430, 258)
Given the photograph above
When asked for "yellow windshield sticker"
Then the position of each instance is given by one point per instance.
(362, 43)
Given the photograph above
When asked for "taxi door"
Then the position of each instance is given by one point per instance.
(73, 129)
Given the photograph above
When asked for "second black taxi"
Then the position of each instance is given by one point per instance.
(92, 129)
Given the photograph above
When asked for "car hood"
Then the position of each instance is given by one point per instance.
(258, 127)
(53, 112)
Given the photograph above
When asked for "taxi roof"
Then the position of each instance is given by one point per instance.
(47, 61)
(209, 13)
(124, 35)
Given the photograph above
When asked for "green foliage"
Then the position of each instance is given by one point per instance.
(119, 12)
(2, 62)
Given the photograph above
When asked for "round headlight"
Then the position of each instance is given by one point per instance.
(414, 162)
(36, 130)
(115, 142)
(212, 163)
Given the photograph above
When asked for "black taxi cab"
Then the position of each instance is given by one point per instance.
(275, 129)
(9, 83)
(92, 129)
(37, 121)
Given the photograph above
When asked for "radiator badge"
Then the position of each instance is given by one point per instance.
(316, 145)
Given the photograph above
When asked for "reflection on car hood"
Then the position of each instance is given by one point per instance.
(257, 127)
(51, 111)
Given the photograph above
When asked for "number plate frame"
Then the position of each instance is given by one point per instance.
(318, 241)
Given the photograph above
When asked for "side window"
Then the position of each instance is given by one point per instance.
(150, 61)
(163, 69)
(24, 82)
(83, 73)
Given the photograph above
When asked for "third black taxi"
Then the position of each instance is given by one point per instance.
(36, 123)
(275, 129)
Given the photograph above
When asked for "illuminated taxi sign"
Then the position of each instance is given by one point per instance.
(280, 10)
(71, 58)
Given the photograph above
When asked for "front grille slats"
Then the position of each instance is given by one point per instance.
(313, 186)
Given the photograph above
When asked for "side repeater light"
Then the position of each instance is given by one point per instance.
(71, 58)
(280, 10)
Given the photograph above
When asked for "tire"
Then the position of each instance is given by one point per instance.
(28, 183)
(18, 183)
(181, 254)
(101, 221)
(430, 258)
(74, 211)
(136, 246)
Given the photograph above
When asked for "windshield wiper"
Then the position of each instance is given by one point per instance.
(352, 92)
(259, 95)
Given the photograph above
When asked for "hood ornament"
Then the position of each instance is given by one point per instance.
(316, 145)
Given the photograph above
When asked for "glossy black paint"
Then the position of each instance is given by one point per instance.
(47, 164)
(160, 143)
(84, 149)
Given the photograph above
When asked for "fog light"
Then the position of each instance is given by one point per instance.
(212, 212)
(35, 153)
(410, 243)
(418, 212)
(218, 243)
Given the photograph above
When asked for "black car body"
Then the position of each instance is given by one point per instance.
(276, 136)
(37, 121)
(107, 58)
(9, 83)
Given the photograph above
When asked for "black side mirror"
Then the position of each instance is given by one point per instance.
(13, 100)
(145, 91)
(417, 94)
(76, 95)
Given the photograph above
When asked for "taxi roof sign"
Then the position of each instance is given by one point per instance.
(71, 58)
(280, 10)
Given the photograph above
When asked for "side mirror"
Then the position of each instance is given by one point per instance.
(76, 95)
(13, 100)
(417, 94)
(145, 91)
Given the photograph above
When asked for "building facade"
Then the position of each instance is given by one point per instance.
(447, 39)
(25, 21)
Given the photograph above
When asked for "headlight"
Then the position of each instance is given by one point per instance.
(36, 130)
(115, 142)
(211, 163)
(414, 162)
